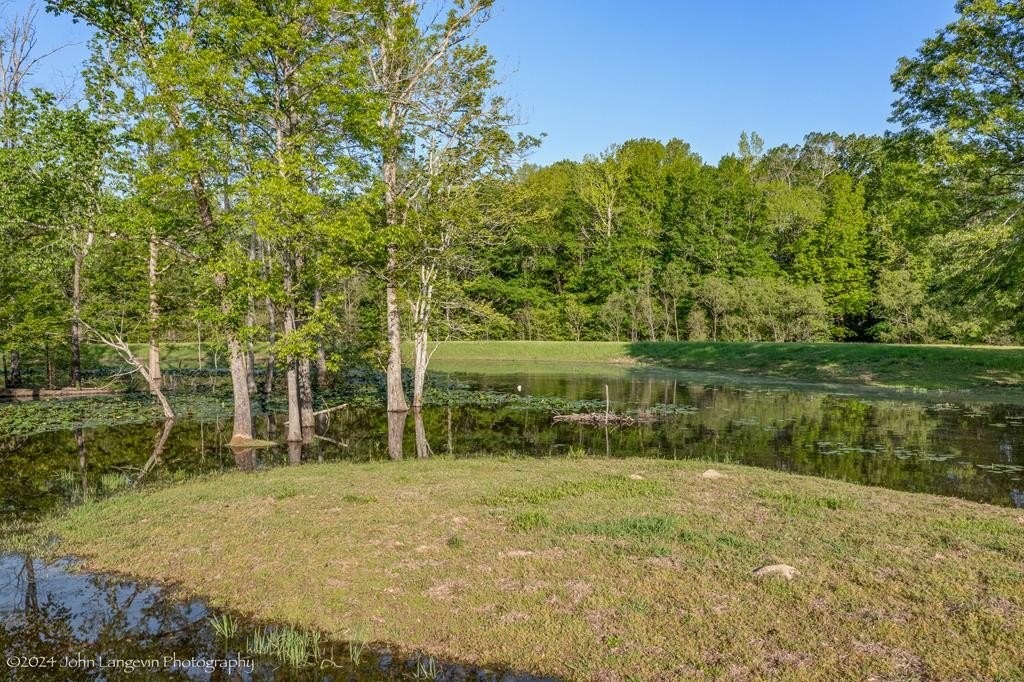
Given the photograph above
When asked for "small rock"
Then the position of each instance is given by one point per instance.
(517, 553)
(785, 570)
(636, 477)
(711, 473)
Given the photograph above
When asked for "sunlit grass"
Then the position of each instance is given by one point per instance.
(869, 364)
(586, 568)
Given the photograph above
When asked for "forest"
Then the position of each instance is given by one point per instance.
(308, 185)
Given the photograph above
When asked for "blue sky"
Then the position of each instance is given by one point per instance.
(593, 72)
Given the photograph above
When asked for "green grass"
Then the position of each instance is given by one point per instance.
(588, 569)
(533, 351)
(880, 365)
(928, 367)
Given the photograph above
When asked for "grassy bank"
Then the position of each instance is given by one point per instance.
(533, 351)
(924, 367)
(591, 569)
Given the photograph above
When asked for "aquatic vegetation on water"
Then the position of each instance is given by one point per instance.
(295, 648)
(224, 625)
(359, 637)
(359, 388)
(426, 668)
(22, 419)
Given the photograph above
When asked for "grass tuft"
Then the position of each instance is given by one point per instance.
(613, 487)
(791, 502)
(531, 520)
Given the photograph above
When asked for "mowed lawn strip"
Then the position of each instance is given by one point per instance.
(870, 364)
(590, 568)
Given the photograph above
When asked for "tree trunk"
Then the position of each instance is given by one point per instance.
(250, 361)
(451, 449)
(242, 425)
(250, 321)
(156, 378)
(268, 378)
(321, 355)
(421, 327)
(76, 320)
(292, 371)
(292, 381)
(396, 394)
(396, 433)
(242, 429)
(422, 444)
(421, 360)
(14, 381)
(122, 348)
(306, 417)
(295, 452)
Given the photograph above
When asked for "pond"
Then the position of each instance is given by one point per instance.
(972, 450)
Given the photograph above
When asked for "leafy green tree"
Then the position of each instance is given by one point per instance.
(961, 98)
(832, 254)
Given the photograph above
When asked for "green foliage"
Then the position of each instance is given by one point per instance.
(274, 165)
(961, 105)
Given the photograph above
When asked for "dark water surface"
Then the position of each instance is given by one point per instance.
(971, 450)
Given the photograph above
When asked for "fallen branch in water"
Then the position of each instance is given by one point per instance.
(26, 394)
(326, 410)
(330, 409)
(603, 418)
(331, 440)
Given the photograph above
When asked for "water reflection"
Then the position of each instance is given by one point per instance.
(422, 443)
(967, 450)
(85, 626)
(158, 451)
(396, 434)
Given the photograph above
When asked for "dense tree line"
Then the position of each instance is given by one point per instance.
(332, 179)
(838, 238)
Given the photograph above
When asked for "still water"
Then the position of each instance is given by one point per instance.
(972, 450)
(969, 450)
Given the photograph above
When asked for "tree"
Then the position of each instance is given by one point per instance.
(439, 128)
(142, 45)
(832, 254)
(961, 98)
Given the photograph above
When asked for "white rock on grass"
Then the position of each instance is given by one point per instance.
(712, 474)
(785, 570)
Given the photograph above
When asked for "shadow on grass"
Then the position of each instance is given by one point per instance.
(888, 365)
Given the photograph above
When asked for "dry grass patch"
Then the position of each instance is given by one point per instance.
(573, 568)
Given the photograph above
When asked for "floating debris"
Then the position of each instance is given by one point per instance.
(605, 418)
(999, 468)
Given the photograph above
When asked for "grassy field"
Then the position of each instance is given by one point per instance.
(534, 351)
(590, 568)
(905, 366)
(882, 365)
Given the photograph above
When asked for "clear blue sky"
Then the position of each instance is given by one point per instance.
(593, 72)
